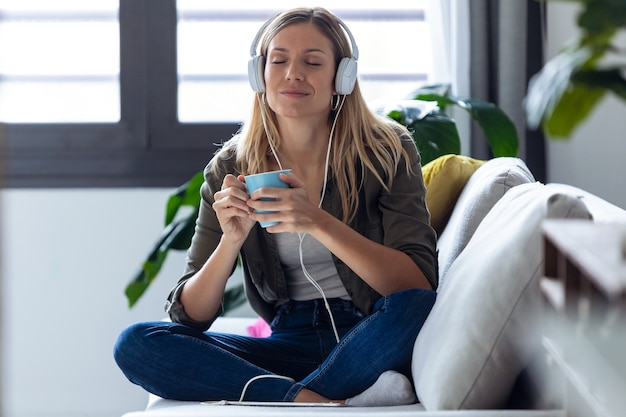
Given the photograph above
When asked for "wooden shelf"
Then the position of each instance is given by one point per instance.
(596, 250)
(584, 287)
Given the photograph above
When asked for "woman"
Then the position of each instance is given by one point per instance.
(345, 279)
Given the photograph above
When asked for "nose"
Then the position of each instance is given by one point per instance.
(294, 71)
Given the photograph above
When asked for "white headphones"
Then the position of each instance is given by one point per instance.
(346, 71)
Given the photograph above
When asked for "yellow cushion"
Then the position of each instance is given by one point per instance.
(445, 178)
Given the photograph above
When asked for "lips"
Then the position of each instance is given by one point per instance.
(294, 93)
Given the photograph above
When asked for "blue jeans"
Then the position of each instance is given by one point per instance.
(177, 362)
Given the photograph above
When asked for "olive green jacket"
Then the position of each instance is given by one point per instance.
(396, 218)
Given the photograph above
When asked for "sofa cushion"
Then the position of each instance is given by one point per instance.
(486, 186)
(483, 328)
(444, 179)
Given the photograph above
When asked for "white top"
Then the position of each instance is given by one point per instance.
(318, 262)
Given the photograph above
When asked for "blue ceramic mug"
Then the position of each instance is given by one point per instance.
(266, 179)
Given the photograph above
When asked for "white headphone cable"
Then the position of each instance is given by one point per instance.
(254, 378)
(330, 141)
(317, 287)
(302, 235)
(270, 140)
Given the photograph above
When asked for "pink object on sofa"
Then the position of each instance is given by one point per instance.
(260, 328)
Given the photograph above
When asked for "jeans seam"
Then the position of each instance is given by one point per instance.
(293, 392)
(345, 340)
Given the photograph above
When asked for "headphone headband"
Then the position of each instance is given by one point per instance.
(345, 78)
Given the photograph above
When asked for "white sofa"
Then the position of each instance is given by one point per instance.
(479, 350)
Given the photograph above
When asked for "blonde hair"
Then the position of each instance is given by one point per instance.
(360, 138)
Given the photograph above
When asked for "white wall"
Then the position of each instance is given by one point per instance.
(593, 158)
(67, 256)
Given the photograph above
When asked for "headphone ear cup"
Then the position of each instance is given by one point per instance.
(256, 65)
(346, 76)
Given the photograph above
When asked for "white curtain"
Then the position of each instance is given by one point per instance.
(450, 32)
(488, 50)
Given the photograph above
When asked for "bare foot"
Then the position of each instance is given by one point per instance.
(308, 396)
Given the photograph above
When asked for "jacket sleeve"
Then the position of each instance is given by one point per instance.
(406, 220)
(206, 237)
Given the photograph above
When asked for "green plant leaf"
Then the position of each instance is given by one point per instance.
(134, 291)
(152, 265)
(548, 85)
(407, 112)
(182, 235)
(435, 135)
(435, 92)
(610, 78)
(602, 16)
(574, 106)
(442, 101)
(187, 194)
(176, 235)
(234, 297)
(499, 130)
(154, 261)
(397, 115)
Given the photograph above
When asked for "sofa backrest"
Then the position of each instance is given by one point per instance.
(484, 330)
(484, 188)
(485, 327)
(601, 210)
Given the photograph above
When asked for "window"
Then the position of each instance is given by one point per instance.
(212, 72)
(65, 68)
(138, 93)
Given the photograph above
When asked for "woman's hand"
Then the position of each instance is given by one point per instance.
(202, 293)
(385, 269)
(231, 209)
(292, 207)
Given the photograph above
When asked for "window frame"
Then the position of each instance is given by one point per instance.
(137, 151)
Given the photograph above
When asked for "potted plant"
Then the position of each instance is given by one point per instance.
(570, 85)
(176, 235)
(434, 132)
